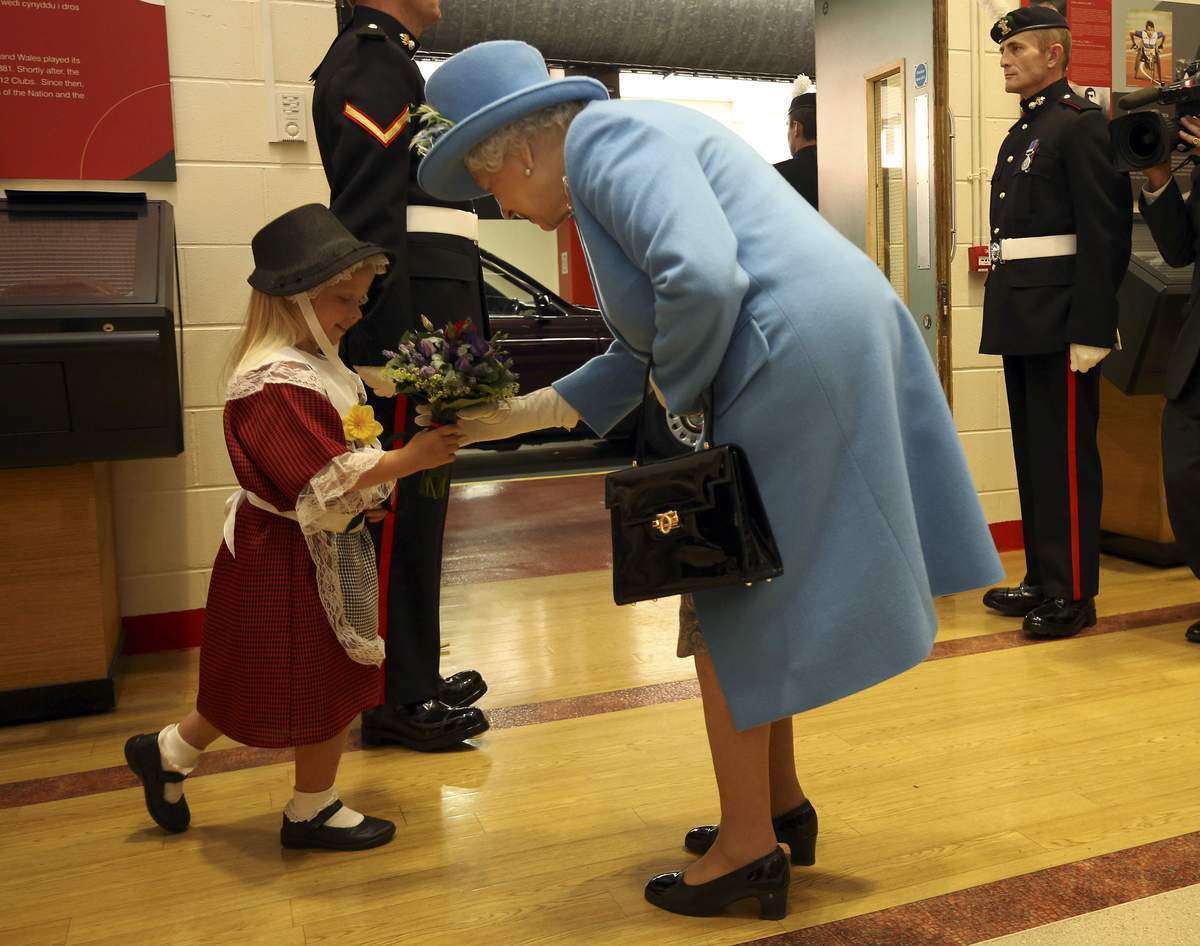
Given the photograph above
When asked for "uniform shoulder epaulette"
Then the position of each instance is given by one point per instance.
(371, 31)
(1078, 103)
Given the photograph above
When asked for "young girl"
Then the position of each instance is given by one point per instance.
(291, 643)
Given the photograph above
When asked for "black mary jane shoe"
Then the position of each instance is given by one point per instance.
(432, 726)
(1014, 602)
(314, 833)
(143, 758)
(1193, 633)
(765, 880)
(796, 828)
(462, 689)
(1059, 617)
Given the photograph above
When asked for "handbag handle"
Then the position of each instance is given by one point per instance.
(706, 402)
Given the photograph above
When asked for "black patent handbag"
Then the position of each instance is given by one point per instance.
(688, 523)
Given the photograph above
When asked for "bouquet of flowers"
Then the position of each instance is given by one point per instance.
(449, 369)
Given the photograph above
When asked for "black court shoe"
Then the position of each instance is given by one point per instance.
(462, 689)
(1014, 602)
(1193, 633)
(766, 880)
(143, 759)
(315, 833)
(796, 828)
(1059, 618)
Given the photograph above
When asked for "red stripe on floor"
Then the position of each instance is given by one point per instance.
(75, 784)
(1014, 904)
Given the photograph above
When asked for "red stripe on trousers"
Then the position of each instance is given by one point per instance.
(385, 543)
(1073, 480)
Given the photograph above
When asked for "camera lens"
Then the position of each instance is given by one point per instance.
(1143, 141)
(1140, 139)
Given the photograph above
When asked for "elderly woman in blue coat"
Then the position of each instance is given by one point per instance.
(711, 268)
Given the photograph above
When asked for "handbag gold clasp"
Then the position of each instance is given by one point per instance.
(666, 522)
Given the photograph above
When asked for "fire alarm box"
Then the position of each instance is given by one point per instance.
(979, 259)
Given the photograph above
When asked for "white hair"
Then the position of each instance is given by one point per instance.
(490, 154)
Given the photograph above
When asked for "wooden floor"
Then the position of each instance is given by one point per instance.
(966, 770)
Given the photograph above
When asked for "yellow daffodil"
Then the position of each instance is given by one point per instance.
(360, 424)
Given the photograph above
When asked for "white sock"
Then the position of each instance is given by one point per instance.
(305, 806)
(177, 755)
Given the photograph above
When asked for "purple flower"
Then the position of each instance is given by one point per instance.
(389, 355)
(426, 348)
(428, 371)
(479, 345)
(463, 364)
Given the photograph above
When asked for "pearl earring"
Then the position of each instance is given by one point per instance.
(528, 172)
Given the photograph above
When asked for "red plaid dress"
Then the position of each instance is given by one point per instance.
(272, 672)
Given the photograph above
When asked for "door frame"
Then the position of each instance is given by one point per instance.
(944, 185)
(870, 80)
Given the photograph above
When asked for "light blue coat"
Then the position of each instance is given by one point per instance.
(703, 255)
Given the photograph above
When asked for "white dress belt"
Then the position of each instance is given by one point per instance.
(1007, 251)
(330, 522)
(461, 223)
(231, 508)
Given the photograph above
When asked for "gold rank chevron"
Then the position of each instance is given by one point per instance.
(385, 135)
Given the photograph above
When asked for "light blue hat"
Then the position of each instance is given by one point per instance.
(477, 92)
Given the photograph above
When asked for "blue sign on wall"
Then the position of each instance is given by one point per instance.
(921, 75)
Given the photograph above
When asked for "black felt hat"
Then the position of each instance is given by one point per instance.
(1025, 19)
(303, 248)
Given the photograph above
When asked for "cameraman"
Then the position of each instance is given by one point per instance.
(1175, 225)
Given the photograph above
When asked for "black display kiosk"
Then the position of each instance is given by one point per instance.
(89, 372)
(1153, 304)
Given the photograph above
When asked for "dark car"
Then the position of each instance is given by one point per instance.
(549, 337)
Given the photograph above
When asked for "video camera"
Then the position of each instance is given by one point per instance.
(1149, 137)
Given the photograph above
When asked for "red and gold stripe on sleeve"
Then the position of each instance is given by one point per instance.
(385, 136)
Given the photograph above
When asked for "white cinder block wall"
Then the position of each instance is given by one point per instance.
(231, 180)
(983, 113)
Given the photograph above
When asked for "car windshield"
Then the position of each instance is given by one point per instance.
(506, 287)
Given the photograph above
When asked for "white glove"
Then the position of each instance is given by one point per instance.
(374, 379)
(515, 415)
(1085, 357)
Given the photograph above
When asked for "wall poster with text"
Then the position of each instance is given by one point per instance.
(85, 90)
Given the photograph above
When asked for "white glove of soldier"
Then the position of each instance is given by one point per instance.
(374, 379)
(515, 415)
(1085, 357)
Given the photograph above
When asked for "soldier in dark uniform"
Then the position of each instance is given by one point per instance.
(1175, 224)
(367, 91)
(800, 170)
(1061, 220)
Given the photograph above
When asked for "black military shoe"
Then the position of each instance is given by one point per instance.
(1058, 617)
(315, 833)
(462, 689)
(1193, 633)
(143, 759)
(1014, 602)
(426, 727)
